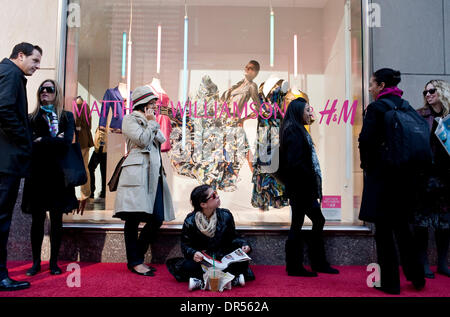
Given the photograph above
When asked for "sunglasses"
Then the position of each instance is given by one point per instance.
(431, 91)
(50, 90)
(214, 195)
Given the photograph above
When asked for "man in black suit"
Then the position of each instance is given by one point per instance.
(15, 141)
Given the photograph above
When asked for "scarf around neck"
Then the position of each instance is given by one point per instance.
(52, 119)
(316, 165)
(391, 91)
(207, 227)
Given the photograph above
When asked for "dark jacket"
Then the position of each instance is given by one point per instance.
(297, 167)
(387, 195)
(114, 102)
(15, 133)
(437, 199)
(83, 127)
(45, 188)
(225, 240)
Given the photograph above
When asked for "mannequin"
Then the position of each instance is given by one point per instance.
(240, 94)
(209, 162)
(123, 89)
(267, 191)
(156, 84)
(162, 112)
(116, 100)
(84, 138)
(271, 81)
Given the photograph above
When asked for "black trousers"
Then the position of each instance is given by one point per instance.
(9, 189)
(385, 231)
(194, 269)
(94, 161)
(137, 244)
(314, 239)
(37, 235)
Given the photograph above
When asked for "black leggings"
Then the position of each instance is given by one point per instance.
(298, 217)
(297, 236)
(37, 235)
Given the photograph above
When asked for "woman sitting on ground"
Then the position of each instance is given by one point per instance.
(209, 229)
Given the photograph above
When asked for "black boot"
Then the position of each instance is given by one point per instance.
(35, 269)
(442, 243)
(37, 235)
(55, 241)
(316, 251)
(55, 269)
(294, 260)
(421, 237)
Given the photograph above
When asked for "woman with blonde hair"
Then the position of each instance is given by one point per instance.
(45, 189)
(434, 212)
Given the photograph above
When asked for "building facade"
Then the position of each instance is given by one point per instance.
(326, 49)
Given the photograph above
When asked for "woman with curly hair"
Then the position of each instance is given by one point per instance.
(435, 212)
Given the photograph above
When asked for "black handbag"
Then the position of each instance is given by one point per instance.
(73, 166)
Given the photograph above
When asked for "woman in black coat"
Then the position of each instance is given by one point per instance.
(389, 194)
(299, 170)
(210, 229)
(45, 190)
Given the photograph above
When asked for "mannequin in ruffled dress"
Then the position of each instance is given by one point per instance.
(267, 191)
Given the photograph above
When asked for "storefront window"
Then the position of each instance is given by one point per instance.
(198, 52)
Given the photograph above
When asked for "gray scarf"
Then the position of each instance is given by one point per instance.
(316, 164)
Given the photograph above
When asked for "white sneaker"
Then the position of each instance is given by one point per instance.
(240, 280)
(195, 283)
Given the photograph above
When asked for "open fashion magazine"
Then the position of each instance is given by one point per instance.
(236, 256)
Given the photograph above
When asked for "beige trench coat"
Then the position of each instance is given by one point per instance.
(138, 180)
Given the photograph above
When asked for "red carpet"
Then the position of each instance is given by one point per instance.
(113, 279)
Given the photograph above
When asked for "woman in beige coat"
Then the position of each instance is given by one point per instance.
(142, 193)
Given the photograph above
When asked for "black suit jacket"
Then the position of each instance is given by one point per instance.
(15, 132)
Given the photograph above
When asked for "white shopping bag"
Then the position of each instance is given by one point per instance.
(224, 279)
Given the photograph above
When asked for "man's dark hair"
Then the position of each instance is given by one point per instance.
(256, 64)
(25, 48)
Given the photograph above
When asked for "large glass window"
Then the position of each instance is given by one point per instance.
(198, 52)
